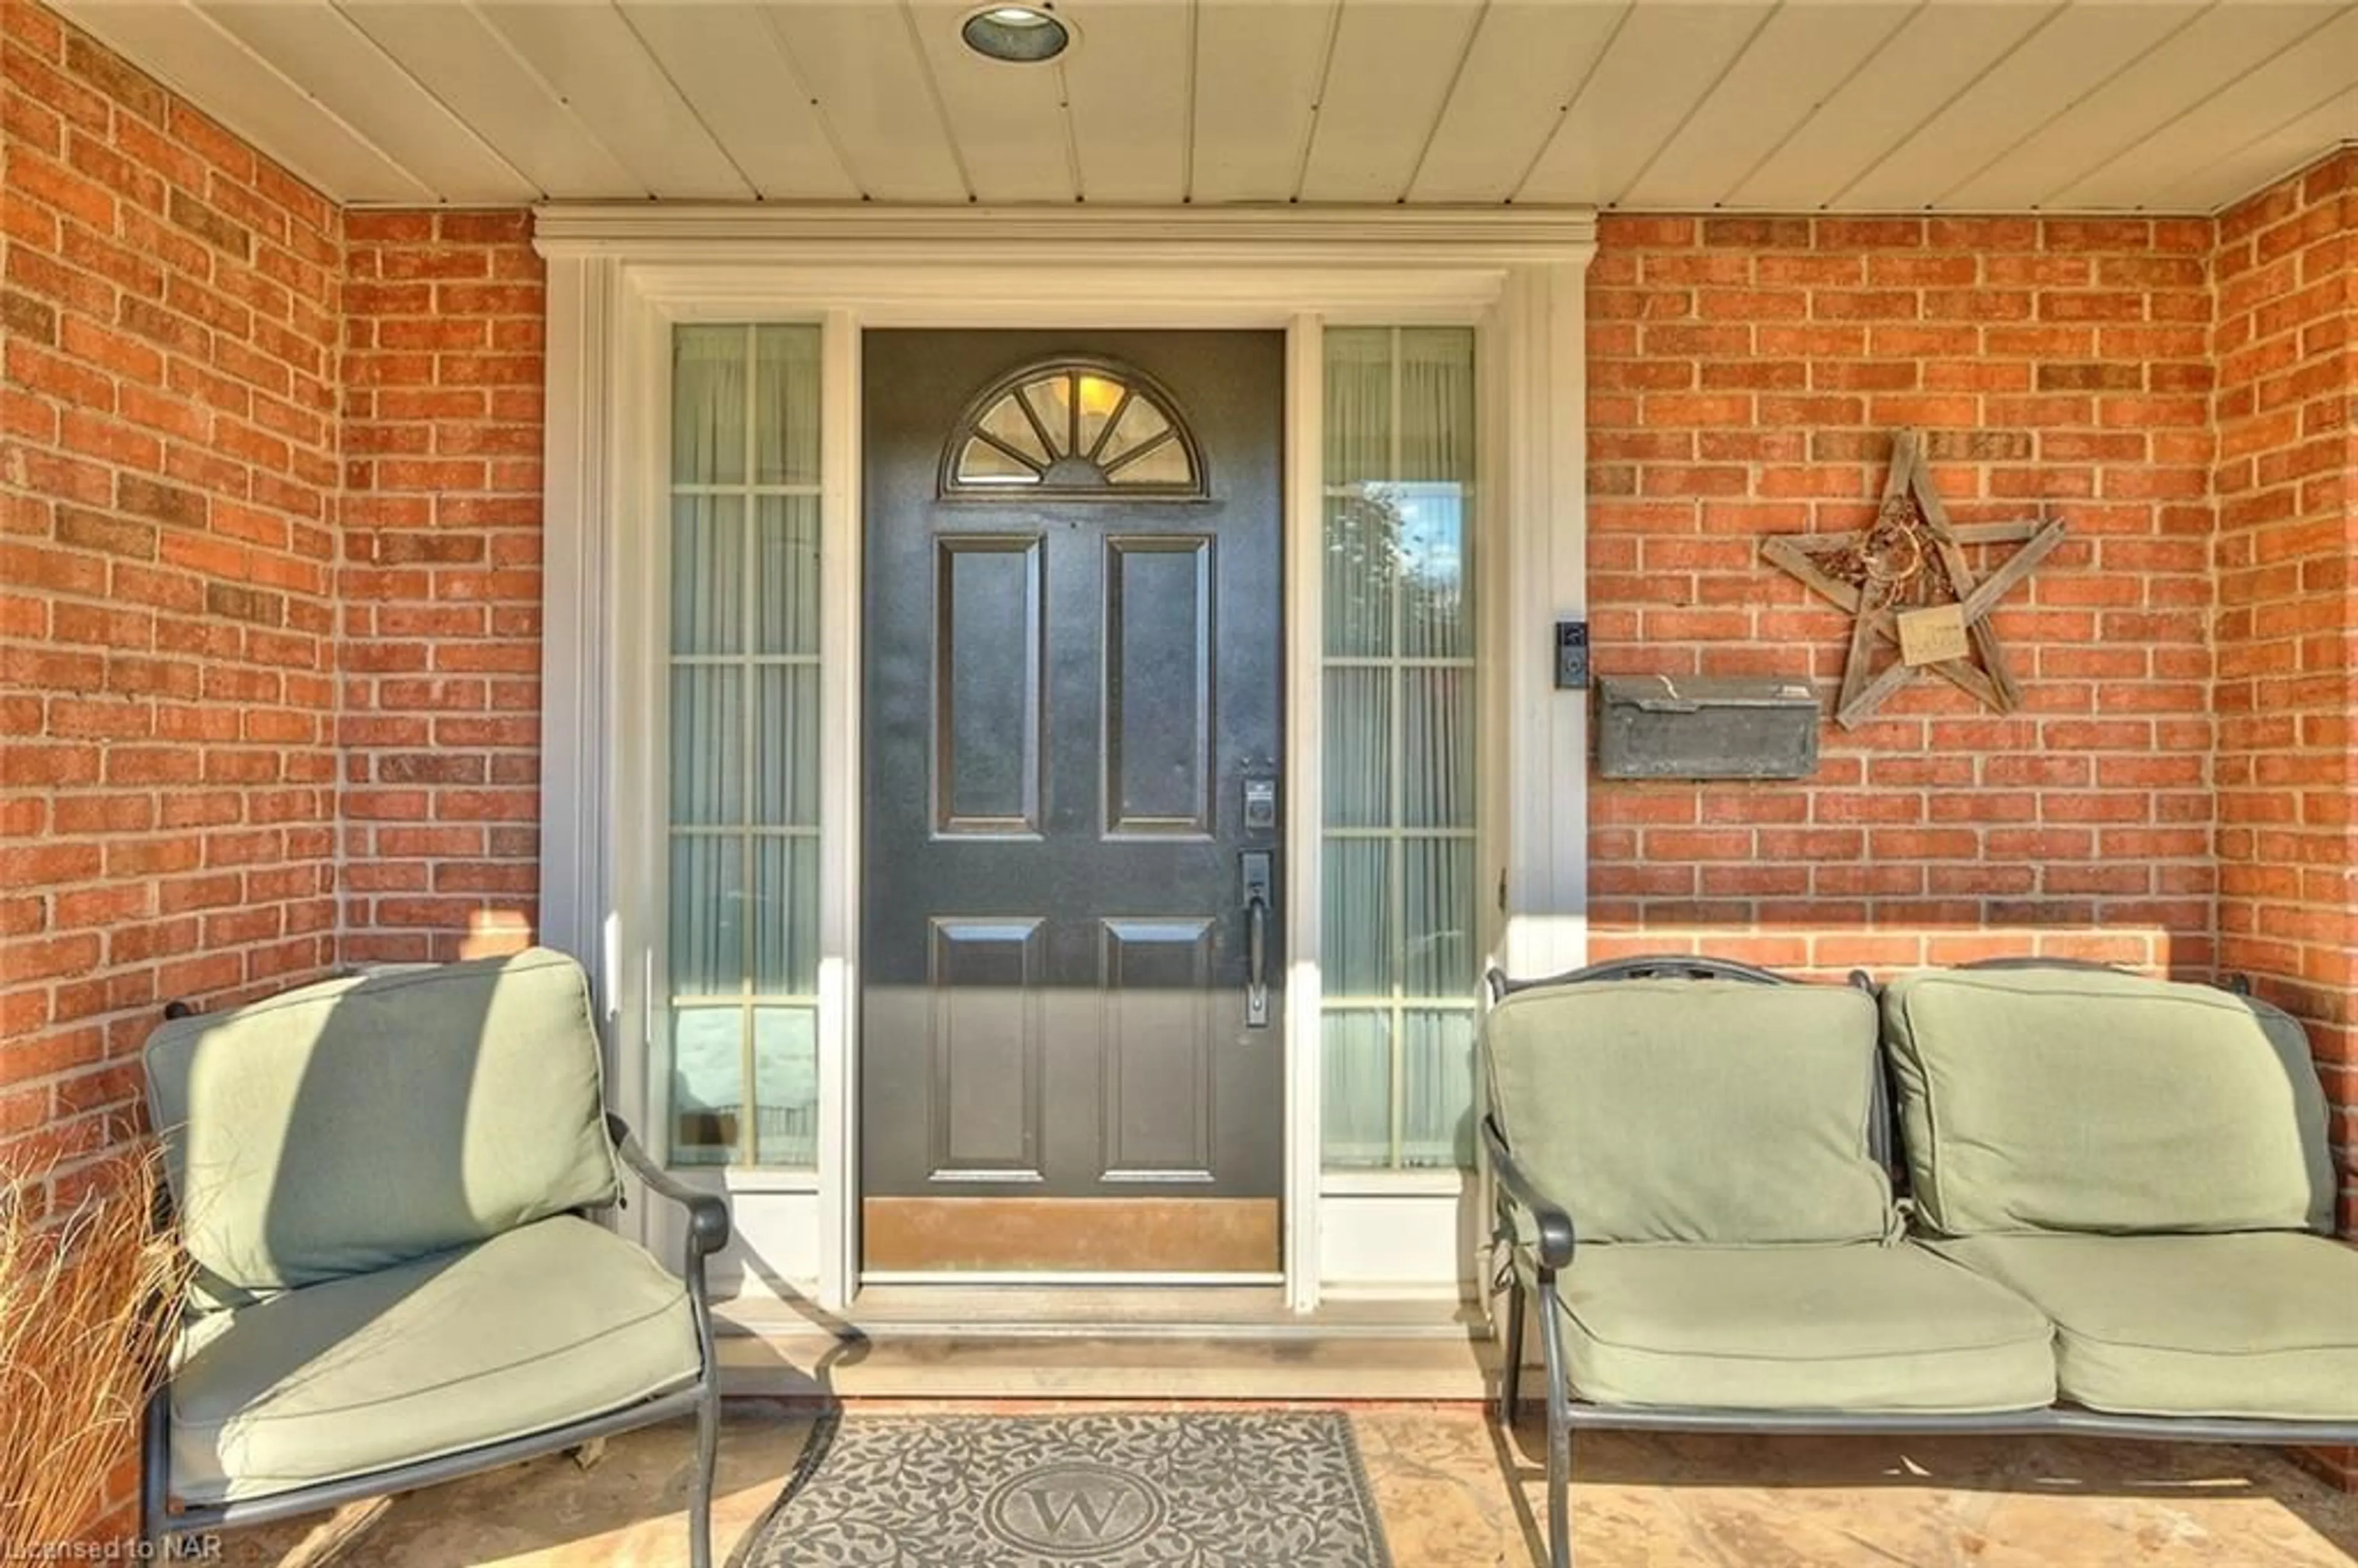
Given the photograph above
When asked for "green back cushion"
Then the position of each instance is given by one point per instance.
(2059, 1099)
(357, 1123)
(1694, 1110)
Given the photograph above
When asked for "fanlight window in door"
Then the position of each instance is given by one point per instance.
(1073, 427)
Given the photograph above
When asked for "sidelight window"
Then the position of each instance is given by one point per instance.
(743, 824)
(1400, 955)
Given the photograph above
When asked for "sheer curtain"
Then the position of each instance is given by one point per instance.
(743, 768)
(1398, 956)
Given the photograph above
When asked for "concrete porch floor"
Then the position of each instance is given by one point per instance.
(1441, 1475)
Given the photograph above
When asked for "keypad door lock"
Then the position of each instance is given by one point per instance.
(1260, 805)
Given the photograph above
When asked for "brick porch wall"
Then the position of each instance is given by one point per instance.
(2287, 340)
(444, 319)
(1744, 376)
(169, 302)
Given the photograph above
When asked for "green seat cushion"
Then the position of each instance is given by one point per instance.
(1854, 1327)
(548, 1324)
(1709, 1111)
(357, 1123)
(2263, 1325)
(2056, 1099)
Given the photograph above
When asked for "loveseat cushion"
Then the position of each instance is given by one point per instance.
(2263, 1325)
(1854, 1327)
(1711, 1111)
(543, 1325)
(2062, 1100)
(357, 1123)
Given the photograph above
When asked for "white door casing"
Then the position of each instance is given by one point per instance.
(619, 278)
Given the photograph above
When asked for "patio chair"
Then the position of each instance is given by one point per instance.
(383, 1183)
(2119, 1221)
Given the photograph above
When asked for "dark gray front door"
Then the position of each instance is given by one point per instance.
(1072, 681)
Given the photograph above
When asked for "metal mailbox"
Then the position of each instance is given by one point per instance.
(1705, 727)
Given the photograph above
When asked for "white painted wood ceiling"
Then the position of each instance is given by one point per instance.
(1844, 105)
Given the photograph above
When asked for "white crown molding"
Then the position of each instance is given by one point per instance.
(1336, 236)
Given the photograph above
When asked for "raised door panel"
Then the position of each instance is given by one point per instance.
(987, 684)
(1157, 1045)
(987, 1045)
(1159, 684)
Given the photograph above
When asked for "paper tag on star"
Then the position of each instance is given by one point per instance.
(1908, 587)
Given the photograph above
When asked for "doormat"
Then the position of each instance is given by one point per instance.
(1204, 1489)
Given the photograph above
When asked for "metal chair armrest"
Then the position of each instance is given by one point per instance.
(1552, 1223)
(707, 1215)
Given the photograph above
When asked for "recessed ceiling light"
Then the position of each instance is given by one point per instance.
(1020, 34)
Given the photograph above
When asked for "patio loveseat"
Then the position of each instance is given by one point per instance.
(383, 1184)
(2117, 1214)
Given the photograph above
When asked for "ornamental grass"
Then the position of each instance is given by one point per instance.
(88, 1289)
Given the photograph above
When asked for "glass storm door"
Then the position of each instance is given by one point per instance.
(1071, 1032)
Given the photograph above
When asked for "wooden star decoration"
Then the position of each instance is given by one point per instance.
(1905, 579)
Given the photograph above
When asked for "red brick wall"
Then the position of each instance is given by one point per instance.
(169, 304)
(167, 762)
(2286, 340)
(441, 583)
(1744, 376)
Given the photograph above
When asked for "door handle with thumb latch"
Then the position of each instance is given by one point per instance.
(1256, 906)
(1256, 944)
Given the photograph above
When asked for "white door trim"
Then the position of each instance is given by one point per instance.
(619, 275)
(842, 597)
(1305, 503)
